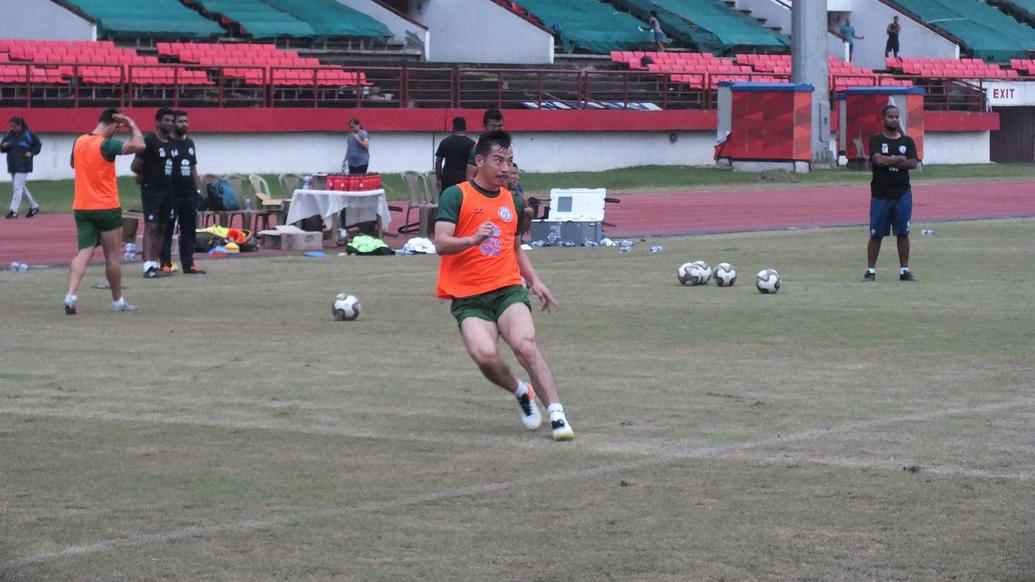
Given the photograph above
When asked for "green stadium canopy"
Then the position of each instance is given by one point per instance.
(589, 25)
(709, 24)
(983, 30)
(257, 18)
(151, 18)
(331, 18)
(1023, 8)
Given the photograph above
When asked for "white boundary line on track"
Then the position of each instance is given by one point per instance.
(707, 452)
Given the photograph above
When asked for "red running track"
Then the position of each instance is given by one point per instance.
(50, 239)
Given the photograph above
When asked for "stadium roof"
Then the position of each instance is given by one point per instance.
(135, 18)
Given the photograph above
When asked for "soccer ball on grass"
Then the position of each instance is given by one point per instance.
(693, 274)
(346, 307)
(725, 275)
(767, 281)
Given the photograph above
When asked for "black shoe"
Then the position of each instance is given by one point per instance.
(907, 276)
(154, 273)
(33, 212)
(869, 277)
(70, 309)
(194, 270)
(11, 214)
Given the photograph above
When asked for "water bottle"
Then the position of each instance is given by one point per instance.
(656, 249)
(307, 182)
(553, 237)
(248, 203)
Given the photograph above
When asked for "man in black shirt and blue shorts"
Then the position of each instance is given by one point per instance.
(153, 168)
(892, 155)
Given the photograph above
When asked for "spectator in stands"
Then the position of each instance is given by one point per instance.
(357, 156)
(96, 205)
(893, 31)
(184, 198)
(21, 145)
(848, 32)
(492, 120)
(655, 28)
(154, 168)
(452, 154)
(892, 154)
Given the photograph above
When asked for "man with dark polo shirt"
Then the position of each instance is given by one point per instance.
(452, 154)
(892, 155)
(481, 267)
(96, 205)
(153, 168)
(184, 198)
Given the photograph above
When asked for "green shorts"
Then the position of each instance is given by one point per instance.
(89, 224)
(489, 306)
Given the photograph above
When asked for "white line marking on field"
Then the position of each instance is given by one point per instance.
(706, 452)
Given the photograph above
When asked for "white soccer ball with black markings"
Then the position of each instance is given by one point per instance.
(725, 275)
(767, 281)
(683, 274)
(346, 307)
(700, 273)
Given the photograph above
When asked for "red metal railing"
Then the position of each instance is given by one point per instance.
(187, 85)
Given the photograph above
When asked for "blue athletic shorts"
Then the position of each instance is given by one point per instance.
(891, 215)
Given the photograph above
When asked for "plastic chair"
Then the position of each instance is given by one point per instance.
(289, 183)
(267, 203)
(247, 217)
(422, 199)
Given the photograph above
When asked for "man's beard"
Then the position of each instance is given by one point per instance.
(179, 132)
(891, 128)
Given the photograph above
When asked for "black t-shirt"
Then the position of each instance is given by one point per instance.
(454, 150)
(158, 164)
(184, 160)
(890, 183)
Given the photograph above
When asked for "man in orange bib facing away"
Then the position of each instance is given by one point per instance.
(482, 264)
(96, 206)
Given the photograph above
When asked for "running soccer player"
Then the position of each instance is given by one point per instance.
(892, 155)
(480, 270)
(96, 205)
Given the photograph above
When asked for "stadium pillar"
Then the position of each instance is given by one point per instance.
(809, 65)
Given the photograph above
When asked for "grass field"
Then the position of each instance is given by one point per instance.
(231, 430)
(56, 195)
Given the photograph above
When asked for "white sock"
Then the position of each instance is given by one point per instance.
(71, 299)
(522, 389)
(871, 270)
(903, 270)
(118, 302)
(149, 264)
(555, 408)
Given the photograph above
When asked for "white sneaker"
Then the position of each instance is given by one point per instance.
(561, 429)
(530, 415)
(122, 305)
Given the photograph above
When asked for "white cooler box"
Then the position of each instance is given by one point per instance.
(576, 215)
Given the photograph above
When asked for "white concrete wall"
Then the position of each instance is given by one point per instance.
(398, 152)
(457, 36)
(42, 19)
(871, 18)
(399, 26)
(970, 147)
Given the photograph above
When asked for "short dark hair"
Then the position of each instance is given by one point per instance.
(492, 115)
(459, 124)
(19, 120)
(162, 113)
(884, 111)
(179, 113)
(485, 143)
(108, 115)
(356, 121)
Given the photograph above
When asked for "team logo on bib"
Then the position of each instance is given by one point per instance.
(902, 149)
(505, 214)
